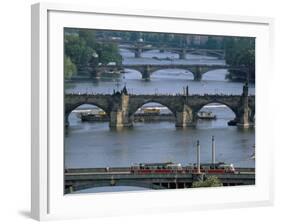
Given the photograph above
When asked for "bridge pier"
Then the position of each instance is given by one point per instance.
(138, 53)
(198, 73)
(182, 54)
(119, 116)
(119, 119)
(243, 119)
(184, 118)
(146, 73)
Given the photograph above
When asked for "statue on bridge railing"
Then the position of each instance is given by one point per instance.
(246, 89)
(123, 91)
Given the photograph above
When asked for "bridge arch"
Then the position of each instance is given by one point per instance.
(138, 73)
(206, 70)
(147, 72)
(139, 105)
(205, 74)
(215, 103)
(188, 73)
(83, 107)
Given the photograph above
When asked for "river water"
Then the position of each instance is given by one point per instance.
(94, 144)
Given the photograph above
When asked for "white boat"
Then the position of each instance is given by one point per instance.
(206, 115)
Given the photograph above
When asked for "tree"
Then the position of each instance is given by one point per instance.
(81, 45)
(108, 53)
(240, 51)
(212, 43)
(76, 48)
(89, 36)
(69, 68)
(211, 181)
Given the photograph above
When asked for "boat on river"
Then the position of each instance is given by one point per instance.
(94, 115)
(207, 115)
(151, 111)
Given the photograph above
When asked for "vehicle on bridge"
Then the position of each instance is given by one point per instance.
(169, 167)
(220, 167)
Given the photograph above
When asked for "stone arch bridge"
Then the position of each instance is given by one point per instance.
(120, 107)
(146, 70)
(138, 49)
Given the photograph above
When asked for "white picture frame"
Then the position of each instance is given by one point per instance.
(48, 200)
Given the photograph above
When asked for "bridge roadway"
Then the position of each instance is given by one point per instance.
(146, 70)
(84, 178)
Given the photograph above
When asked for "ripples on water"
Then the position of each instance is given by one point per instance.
(95, 145)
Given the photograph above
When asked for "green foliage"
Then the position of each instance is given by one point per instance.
(240, 51)
(211, 181)
(76, 48)
(89, 36)
(80, 46)
(212, 43)
(69, 68)
(108, 53)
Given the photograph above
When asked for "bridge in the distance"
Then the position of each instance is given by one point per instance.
(146, 70)
(139, 47)
(80, 179)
